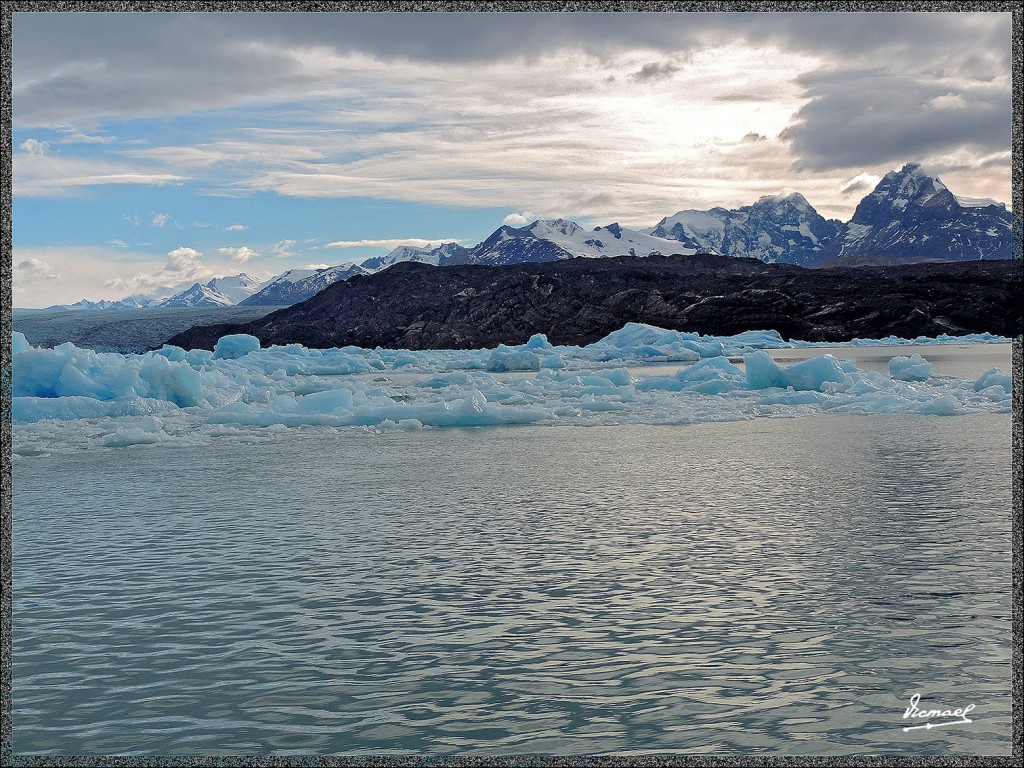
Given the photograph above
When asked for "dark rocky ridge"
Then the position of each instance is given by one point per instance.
(578, 301)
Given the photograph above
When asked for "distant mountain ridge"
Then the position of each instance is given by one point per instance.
(297, 285)
(777, 229)
(218, 292)
(908, 217)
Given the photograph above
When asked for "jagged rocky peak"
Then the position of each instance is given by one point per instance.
(910, 186)
(913, 216)
(785, 202)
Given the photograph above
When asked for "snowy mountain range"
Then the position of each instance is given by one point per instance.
(218, 292)
(778, 229)
(297, 285)
(909, 216)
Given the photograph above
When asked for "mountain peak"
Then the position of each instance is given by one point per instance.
(791, 199)
(913, 215)
(542, 227)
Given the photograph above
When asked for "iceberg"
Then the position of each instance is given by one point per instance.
(234, 346)
(913, 368)
(994, 378)
(813, 374)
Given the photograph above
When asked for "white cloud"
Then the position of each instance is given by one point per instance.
(182, 268)
(80, 272)
(183, 260)
(859, 185)
(77, 137)
(36, 174)
(160, 219)
(241, 254)
(518, 219)
(282, 249)
(33, 270)
(236, 228)
(415, 242)
(948, 101)
(316, 266)
(33, 147)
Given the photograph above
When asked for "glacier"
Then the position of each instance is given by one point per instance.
(69, 398)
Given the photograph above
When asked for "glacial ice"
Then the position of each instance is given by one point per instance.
(71, 397)
(763, 372)
(18, 342)
(235, 346)
(993, 378)
(913, 368)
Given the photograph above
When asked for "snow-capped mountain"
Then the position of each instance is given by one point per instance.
(601, 242)
(555, 239)
(912, 216)
(236, 287)
(131, 302)
(198, 295)
(218, 292)
(776, 229)
(297, 285)
(442, 254)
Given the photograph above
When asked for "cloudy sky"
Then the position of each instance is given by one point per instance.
(152, 150)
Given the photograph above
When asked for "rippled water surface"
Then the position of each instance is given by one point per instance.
(775, 586)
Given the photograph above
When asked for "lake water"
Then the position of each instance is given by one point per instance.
(775, 586)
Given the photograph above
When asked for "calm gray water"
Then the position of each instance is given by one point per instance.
(777, 586)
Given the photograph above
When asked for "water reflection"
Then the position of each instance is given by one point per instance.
(781, 586)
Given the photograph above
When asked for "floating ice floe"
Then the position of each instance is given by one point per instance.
(913, 368)
(71, 397)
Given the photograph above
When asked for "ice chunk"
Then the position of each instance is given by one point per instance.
(26, 410)
(994, 377)
(325, 402)
(19, 343)
(710, 368)
(234, 346)
(947, 405)
(177, 382)
(68, 371)
(640, 341)
(125, 436)
(913, 368)
(512, 359)
(749, 340)
(812, 374)
(538, 341)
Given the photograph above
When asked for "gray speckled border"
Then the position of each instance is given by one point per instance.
(6, 755)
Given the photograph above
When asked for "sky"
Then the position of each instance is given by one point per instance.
(154, 150)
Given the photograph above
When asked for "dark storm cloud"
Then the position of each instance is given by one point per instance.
(72, 65)
(944, 85)
(75, 64)
(865, 118)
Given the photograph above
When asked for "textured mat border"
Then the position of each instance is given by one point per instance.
(6, 754)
